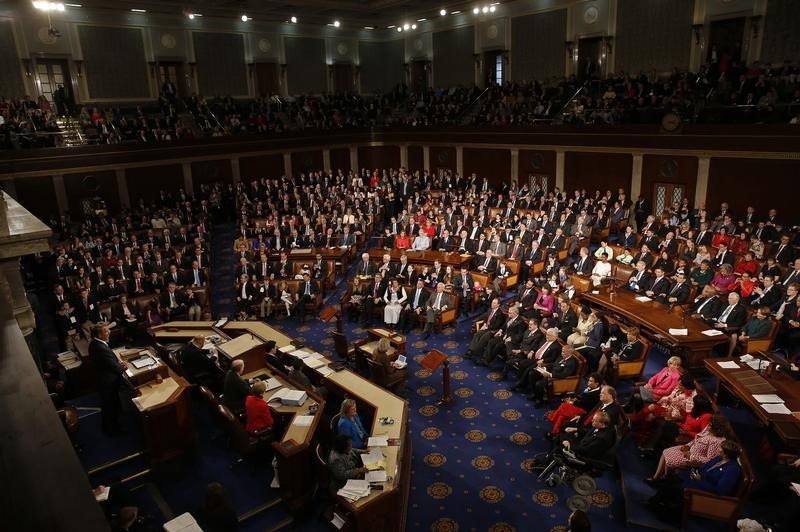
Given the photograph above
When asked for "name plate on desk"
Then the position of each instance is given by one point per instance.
(299, 251)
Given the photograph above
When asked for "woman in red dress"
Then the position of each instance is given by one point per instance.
(259, 417)
(402, 241)
(721, 238)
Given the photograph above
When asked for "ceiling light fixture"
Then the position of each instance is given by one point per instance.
(369, 27)
(139, 10)
(413, 26)
(421, 19)
(74, 5)
(476, 10)
(399, 29)
(455, 12)
(443, 12)
(406, 26)
(294, 20)
(492, 8)
(336, 23)
(49, 6)
(485, 9)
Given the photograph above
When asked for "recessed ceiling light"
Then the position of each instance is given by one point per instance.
(492, 8)
(336, 23)
(294, 20)
(245, 18)
(485, 9)
(139, 10)
(369, 27)
(413, 26)
(406, 26)
(399, 29)
(476, 10)
(443, 12)
(49, 6)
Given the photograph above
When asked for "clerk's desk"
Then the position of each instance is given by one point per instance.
(743, 382)
(659, 320)
(381, 510)
(164, 406)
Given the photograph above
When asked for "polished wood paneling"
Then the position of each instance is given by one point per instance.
(146, 182)
(89, 185)
(536, 162)
(340, 160)
(380, 157)
(37, 195)
(269, 166)
(673, 169)
(416, 158)
(207, 172)
(597, 171)
(493, 164)
(762, 184)
(442, 157)
(306, 161)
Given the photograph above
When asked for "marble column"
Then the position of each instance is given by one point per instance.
(188, 182)
(701, 189)
(560, 170)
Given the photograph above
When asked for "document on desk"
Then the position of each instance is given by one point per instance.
(315, 355)
(374, 459)
(776, 408)
(767, 398)
(713, 332)
(313, 363)
(679, 332)
(643, 299)
(377, 476)
(354, 489)
(299, 353)
(272, 384)
(378, 441)
(795, 487)
(303, 421)
(728, 364)
(183, 523)
(325, 371)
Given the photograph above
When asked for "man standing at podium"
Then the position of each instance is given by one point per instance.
(109, 372)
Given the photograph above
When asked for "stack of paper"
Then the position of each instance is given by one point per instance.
(273, 383)
(354, 489)
(69, 360)
(299, 353)
(679, 332)
(712, 332)
(325, 371)
(767, 398)
(377, 441)
(776, 408)
(374, 459)
(728, 364)
(643, 299)
(183, 523)
(303, 421)
(314, 362)
(374, 477)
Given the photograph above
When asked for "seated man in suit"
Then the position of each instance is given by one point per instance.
(707, 304)
(124, 313)
(527, 298)
(565, 366)
(679, 292)
(506, 339)
(437, 303)
(174, 302)
(640, 280)
(235, 388)
(592, 442)
(566, 319)
(307, 291)
(200, 365)
(733, 316)
(546, 354)
(576, 405)
(660, 286)
(489, 264)
(584, 264)
(414, 306)
(519, 357)
(492, 323)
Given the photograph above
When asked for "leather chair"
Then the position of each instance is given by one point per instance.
(346, 351)
(244, 443)
(394, 382)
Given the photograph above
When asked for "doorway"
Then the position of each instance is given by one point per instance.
(665, 195)
(170, 76)
(725, 42)
(493, 68)
(343, 78)
(54, 83)
(267, 81)
(589, 58)
(419, 76)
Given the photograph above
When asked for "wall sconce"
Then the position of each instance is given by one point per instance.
(79, 68)
(755, 23)
(697, 29)
(26, 65)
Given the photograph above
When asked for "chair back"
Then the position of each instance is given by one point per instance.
(569, 384)
(241, 440)
(377, 373)
(631, 369)
(335, 426)
(340, 344)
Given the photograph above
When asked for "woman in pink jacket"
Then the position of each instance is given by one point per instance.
(663, 382)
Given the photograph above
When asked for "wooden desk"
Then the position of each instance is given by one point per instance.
(166, 413)
(745, 381)
(657, 319)
(398, 341)
(338, 254)
(422, 257)
(248, 348)
(182, 331)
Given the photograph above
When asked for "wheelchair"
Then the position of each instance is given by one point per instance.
(568, 469)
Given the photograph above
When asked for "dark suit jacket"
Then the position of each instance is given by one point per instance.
(423, 297)
(313, 289)
(660, 286)
(195, 361)
(771, 299)
(711, 310)
(628, 241)
(498, 320)
(595, 443)
(737, 316)
(106, 366)
(564, 367)
(631, 351)
(551, 354)
(681, 294)
(516, 331)
(236, 390)
(566, 322)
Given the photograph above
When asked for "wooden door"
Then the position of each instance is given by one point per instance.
(343, 79)
(171, 72)
(725, 41)
(267, 79)
(665, 195)
(51, 76)
(589, 58)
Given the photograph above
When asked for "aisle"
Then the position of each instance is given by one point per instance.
(222, 275)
